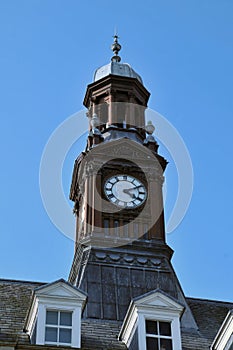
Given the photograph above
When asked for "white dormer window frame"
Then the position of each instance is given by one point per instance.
(41, 325)
(153, 306)
(224, 337)
(159, 316)
(59, 297)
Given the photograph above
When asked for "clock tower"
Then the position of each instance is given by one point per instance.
(120, 249)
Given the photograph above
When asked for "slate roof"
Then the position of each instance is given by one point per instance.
(16, 296)
(99, 334)
(209, 315)
(15, 299)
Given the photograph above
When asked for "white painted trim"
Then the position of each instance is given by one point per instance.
(130, 328)
(155, 306)
(141, 332)
(224, 334)
(62, 297)
(40, 330)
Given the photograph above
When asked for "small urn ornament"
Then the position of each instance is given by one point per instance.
(149, 130)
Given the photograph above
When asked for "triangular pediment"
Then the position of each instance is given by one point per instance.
(158, 299)
(153, 304)
(60, 288)
(56, 294)
(123, 148)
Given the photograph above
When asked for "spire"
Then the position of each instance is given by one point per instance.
(116, 48)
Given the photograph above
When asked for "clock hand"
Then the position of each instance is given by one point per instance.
(127, 190)
(136, 187)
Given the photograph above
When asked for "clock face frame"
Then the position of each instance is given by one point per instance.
(125, 191)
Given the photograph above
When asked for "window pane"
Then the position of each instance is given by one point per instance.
(165, 328)
(151, 327)
(65, 335)
(52, 317)
(66, 318)
(51, 334)
(152, 343)
(165, 344)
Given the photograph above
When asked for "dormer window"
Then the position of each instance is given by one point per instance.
(158, 335)
(152, 322)
(55, 315)
(58, 327)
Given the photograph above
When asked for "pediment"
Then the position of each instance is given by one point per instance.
(158, 299)
(60, 288)
(153, 305)
(125, 148)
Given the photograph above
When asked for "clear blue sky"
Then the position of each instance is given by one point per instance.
(183, 49)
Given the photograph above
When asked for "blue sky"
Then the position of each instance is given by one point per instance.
(183, 50)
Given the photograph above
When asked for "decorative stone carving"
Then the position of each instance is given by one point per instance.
(100, 255)
(142, 260)
(115, 257)
(156, 262)
(128, 152)
(129, 258)
(135, 260)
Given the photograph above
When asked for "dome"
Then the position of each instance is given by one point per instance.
(116, 68)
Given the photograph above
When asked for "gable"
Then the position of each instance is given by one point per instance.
(160, 300)
(125, 148)
(60, 289)
(156, 306)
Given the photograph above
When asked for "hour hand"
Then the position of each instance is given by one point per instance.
(128, 191)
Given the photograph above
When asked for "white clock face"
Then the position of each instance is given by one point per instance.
(125, 191)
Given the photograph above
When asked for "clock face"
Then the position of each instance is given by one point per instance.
(125, 191)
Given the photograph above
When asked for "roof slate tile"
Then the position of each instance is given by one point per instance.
(16, 296)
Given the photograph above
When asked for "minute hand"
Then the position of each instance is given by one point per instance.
(126, 190)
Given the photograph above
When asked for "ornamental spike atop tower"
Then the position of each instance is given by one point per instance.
(116, 47)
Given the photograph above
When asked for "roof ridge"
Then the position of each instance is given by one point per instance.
(20, 281)
(209, 300)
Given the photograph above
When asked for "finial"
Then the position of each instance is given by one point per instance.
(116, 48)
(150, 128)
(150, 140)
